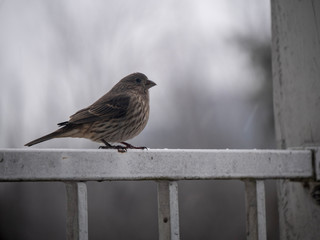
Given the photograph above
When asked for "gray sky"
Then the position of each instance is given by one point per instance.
(57, 57)
(211, 61)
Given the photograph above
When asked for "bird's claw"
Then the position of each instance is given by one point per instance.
(128, 145)
(120, 148)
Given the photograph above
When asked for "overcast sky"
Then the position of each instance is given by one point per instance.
(57, 57)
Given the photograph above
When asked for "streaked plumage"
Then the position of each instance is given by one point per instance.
(119, 115)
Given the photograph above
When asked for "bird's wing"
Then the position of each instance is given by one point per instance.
(105, 108)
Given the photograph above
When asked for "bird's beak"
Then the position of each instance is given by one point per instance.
(150, 84)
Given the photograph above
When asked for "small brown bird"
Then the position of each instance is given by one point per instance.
(119, 115)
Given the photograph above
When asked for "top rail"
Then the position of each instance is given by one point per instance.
(106, 165)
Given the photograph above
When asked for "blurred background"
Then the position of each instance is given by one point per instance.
(211, 61)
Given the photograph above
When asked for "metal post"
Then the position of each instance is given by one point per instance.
(256, 211)
(77, 212)
(296, 93)
(168, 210)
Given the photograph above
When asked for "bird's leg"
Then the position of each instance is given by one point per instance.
(109, 146)
(128, 145)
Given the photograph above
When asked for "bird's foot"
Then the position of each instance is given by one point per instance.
(128, 145)
(120, 148)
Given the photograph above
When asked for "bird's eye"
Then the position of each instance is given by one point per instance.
(138, 80)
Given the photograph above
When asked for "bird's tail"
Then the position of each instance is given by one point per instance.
(61, 132)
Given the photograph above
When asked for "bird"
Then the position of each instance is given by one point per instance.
(119, 115)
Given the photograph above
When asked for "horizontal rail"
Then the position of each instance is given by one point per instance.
(106, 165)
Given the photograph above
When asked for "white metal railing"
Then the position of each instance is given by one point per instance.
(74, 167)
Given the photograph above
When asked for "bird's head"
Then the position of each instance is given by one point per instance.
(137, 82)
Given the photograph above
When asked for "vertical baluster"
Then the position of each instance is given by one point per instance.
(77, 211)
(168, 210)
(256, 210)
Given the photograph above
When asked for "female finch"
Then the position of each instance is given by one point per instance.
(119, 115)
